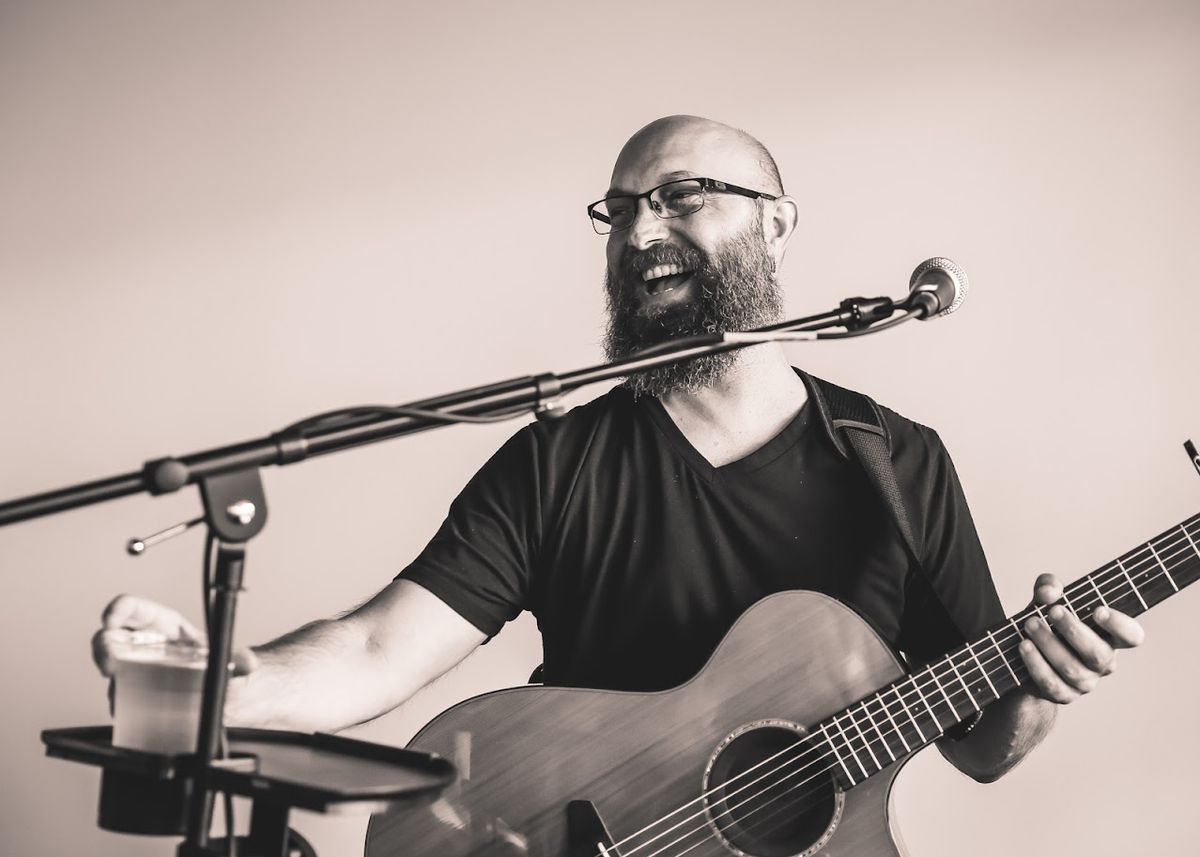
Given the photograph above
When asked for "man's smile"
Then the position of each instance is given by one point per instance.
(665, 278)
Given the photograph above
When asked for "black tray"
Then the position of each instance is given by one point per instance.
(314, 771)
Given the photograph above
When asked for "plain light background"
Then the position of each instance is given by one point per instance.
(216, 218)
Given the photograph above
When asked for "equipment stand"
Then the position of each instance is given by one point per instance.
(235, 510)
(170, 795)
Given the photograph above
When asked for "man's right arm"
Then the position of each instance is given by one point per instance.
(329, 674)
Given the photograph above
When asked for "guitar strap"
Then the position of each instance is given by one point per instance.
(856, 426)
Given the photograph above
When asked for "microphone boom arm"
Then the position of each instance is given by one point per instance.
(359, 426)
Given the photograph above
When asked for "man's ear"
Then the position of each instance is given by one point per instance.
(779, 222)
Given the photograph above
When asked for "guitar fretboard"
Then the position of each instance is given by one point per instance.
(907, 715)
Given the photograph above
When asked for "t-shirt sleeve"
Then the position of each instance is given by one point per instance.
(952, 598)
(480, 560)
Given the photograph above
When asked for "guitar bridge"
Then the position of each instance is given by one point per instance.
(586, 834)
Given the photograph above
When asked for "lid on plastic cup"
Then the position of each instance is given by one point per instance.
(144, 650)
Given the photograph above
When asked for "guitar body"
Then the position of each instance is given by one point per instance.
(523, 754)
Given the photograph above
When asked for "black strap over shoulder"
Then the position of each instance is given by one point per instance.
(856, 426)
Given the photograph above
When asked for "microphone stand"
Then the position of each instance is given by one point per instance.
(235, 507)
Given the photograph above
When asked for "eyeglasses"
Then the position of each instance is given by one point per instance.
(673, 199)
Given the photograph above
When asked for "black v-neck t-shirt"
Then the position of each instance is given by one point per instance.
(636, 555)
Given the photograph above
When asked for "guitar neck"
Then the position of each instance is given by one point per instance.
(919, 708)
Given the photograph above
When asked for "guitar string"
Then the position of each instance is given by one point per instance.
(870, 742)
(1151, 574)
(1115, 571)
(786, 803)
(1139, 571)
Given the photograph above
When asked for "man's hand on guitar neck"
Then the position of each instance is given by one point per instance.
(1067, 658)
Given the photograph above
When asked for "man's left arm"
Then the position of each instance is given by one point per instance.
(1065, 660)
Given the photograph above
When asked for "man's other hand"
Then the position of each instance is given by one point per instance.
(129, 620)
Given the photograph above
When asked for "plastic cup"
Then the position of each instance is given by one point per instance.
(158, 690)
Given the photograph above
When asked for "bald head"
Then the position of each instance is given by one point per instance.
(681, 147)
(706, 147)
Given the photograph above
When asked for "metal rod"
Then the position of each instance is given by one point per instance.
(227, 583)
(136, 547)
(513, 394)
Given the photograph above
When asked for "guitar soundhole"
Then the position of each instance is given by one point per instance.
(769, 792)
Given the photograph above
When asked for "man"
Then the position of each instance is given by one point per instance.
(640, 525)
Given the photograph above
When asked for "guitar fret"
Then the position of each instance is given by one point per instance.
(937, 723)
(1020, 636)
(986, 678)
(938, 683)
(908, 711)
(1092, 580)
(1004, 658)
(866, 743)
(1068, 603)
(1188, 536)
(1121, 566)
(878, 731)
(970, 696)
(849, 746)
(836, 754)
(1157, 558)
(895, 726)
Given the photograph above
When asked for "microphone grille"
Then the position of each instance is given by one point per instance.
(948, 269)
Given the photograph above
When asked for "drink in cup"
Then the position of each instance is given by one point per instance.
(158, 688)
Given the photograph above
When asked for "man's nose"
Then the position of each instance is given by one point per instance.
(647, 227)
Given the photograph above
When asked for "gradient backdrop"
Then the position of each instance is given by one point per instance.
(216, 218)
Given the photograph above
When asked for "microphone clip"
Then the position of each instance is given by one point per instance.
(864, 312)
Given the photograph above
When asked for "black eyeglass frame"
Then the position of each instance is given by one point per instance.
(706, 184)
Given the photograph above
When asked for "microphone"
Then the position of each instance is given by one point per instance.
(937, 287)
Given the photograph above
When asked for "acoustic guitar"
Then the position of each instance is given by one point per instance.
(785, 743)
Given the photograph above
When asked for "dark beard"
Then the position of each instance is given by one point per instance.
(736, 291)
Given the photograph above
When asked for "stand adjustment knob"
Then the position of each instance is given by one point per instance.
(242, 512)
(137, 547)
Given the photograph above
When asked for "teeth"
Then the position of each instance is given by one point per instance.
(662, 271)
